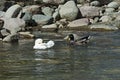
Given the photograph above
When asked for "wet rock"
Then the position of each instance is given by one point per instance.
(25, 35)
(42, 19)
(11, 38)
(102, 26)
(89, 11)
(50, 27)
(54, 1)
(69, 11)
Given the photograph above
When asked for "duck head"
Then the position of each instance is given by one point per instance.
(39, 41)
(70, 38)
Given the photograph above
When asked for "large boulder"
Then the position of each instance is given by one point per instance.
(69, 11)
(14, 24)
(13, 11)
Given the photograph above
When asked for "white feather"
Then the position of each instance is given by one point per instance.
(40, 45)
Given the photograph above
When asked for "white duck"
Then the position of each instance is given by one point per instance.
(40, 45)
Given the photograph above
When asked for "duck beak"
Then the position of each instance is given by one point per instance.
(67, 38)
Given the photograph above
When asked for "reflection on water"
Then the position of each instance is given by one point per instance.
(99, 60)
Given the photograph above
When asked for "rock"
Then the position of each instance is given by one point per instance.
(47, 11)
(31, 9)
(11, 38)
(69, 11)
(95, 3)
(54, 1)
(14, 24)
(2, 14)
(4, 32)
(109, 10)
(102, 27)
(56, 15)
(42, 19)
(81, 1)
(27, 16)
(89, 11)
(26, 35)
(113, 5)
(79, 23)
(13, 11)
(51, 27)
(105, 18)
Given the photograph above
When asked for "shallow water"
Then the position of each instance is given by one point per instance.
(98, 60)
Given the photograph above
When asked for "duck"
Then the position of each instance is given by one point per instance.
(74, 39)
(40, 45)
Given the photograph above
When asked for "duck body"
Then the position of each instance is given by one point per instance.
(40, 45)
(74, 39)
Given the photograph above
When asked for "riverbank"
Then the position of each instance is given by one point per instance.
(57, 16)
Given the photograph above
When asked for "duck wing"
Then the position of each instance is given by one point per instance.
(84, 39)
(50, 44)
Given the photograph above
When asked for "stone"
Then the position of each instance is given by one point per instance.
(113, 5)
(42, 19)
(47, 11)
(69, 11)
(79, 22)
(103, 27)
(89, 11)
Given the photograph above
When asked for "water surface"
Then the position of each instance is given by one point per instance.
(98, 60)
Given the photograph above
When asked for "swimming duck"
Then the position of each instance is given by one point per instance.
(75, 39)
(40, 45)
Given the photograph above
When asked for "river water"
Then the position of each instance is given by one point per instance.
(98, 60)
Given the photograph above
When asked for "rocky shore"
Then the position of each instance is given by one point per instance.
(56, 15)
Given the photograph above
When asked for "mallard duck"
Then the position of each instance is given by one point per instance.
(40, 45)
(75, 39)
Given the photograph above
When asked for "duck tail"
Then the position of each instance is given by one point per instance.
(50, 44)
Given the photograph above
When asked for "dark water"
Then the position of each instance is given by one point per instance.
(98, 60)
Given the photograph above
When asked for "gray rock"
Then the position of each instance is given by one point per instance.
(13, 11)
(69, 11)
(49, 26)
(27, 16)
(79, 22)
(113, 5)
(103, 27)
(109, 10)
(106, 18)
(54, 1)
(14, 24)
(11, 37)
(56, 15)
(47, 11)
(95, 3)
(42, 19)
(89, 11)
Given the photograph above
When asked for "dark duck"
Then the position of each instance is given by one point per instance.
(74, 39)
